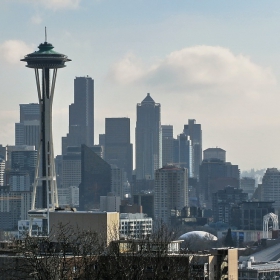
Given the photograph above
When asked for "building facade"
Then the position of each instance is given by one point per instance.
(193, 130)
(148, 138)
(118, 149)
(167, 144)
(81, 115)
(171, 192)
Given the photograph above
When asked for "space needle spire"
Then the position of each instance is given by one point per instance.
(45, 62)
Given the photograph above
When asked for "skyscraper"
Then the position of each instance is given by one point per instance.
(118, 149)
(27, 131)
(171, 191)
(167, 144)
(194, 131)
(212, 153)
(81, 115)
(148, 138)
(95, 177)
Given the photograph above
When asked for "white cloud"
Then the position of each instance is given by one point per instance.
(57, 4)
(199, 69)
(12, 51)
(36, 19)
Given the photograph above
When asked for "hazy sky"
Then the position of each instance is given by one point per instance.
(214, 61)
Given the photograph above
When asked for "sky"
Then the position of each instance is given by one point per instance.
(214, 61)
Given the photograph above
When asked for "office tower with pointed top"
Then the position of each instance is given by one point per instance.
(148, 139)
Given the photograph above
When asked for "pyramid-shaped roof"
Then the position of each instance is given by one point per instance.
(148, 98)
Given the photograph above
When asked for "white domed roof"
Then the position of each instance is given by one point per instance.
(200, 234)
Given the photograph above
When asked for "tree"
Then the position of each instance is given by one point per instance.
(228, 242)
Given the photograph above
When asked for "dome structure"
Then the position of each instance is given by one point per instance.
(201, 234)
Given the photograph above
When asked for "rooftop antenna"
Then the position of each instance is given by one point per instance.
(45, 34)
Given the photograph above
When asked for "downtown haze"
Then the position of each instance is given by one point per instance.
(214, 61)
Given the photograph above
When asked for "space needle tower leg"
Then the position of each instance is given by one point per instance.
(48, 61)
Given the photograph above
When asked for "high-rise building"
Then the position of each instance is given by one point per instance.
(171, 192)
(215, 175)
(118, 149)
(167, 144)
(183, 153)
(194, 131)
(117, 181)
(95, 179)
(81, 115)
(212, 153)
(2, 171)
(148, 138)
(3, 152)
(27, 131)
(271, 186)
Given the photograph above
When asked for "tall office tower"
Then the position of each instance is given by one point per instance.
(167, 144)
(271, 186)
(183, 153)
(148, 138)
(248, 185)
(27, 131)
(81, 115)
(171, 192)
(212, 153)
(118, 149)
(95, 179)
(194, 131)
(215, 175)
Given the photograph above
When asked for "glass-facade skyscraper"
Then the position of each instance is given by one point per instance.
(81, 115)
(148, 138)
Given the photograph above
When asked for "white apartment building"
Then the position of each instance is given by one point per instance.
(68, 196)
(136, 225)
(171, 192)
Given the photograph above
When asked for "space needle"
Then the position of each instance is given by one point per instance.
(45, 62)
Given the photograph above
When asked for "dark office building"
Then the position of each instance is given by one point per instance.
(183, 153)
(81, 115)
(249, 214)
(147, 203)
(96, 179)
(118, 149)
(193, 130)
(215, 175)
(167, 144)
(3, 152)
(224, 200)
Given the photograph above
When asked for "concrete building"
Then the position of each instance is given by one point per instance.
(146, 200)
(68, 196)
(193, 130)
(148, 138)
(2, 171)
(136, 225)
(110, 203)
(81, 115)
(171, 192)
(105, 224)
(167, 144)
(214, 153)
(118, 149)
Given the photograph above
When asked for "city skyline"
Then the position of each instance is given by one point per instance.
(132, 49)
